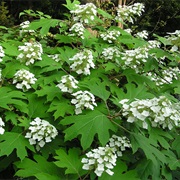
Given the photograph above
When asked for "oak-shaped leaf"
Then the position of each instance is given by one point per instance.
(10, 141)
(71, 161)
(12, 97)
(88, 126)
(39, 167)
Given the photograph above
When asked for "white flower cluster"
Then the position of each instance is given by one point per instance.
(136, 58)
(82, 62)
(1, 126)
(83, 99)
(110, 53)
(84, 13)
(30, 52)
(67, 83)
(127, 13)
(143, 34)
(167, 76)
(119, 144)
(77, 30)
(103, 159)
(1, 53)
(55, 57)
(25, 25)
(24, 79)
(40, 133)
(153, 44)
(174, 38)
(159, 112)
(110, 36)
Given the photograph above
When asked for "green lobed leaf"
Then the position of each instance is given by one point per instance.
(37, 107)
(147, 169)
(44, 25)
(71, 161)
(12, 97)
(176, 145)
(88, 126)
(10, 141)
(38, 168)
(50, 92)
(161, 137)
(97, 88)
(151, 152)
(61, 108)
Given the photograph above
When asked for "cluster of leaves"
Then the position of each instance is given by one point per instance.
(155, 152)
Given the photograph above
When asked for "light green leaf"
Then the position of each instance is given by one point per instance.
(71, 5)
(120, 172)
(10, 141)
(37, 168)
(88, 126)
(71, 161)
(44, 24)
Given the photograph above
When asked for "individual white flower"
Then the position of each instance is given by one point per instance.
(82, 62)
(143, 34)
(1, 53)
(30, 52)
(102, 159)
(24, 79)
(110, 36)
(40, 132)
(67, 83)
(84, 13)
(55, 57)
(128, 13)
(77, 30)
(83, 99)
(159, 111)
(111, 53)
(2, 130)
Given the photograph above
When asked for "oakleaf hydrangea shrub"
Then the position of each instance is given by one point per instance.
(83, 98)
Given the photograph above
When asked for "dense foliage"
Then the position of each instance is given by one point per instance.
(82, 98)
